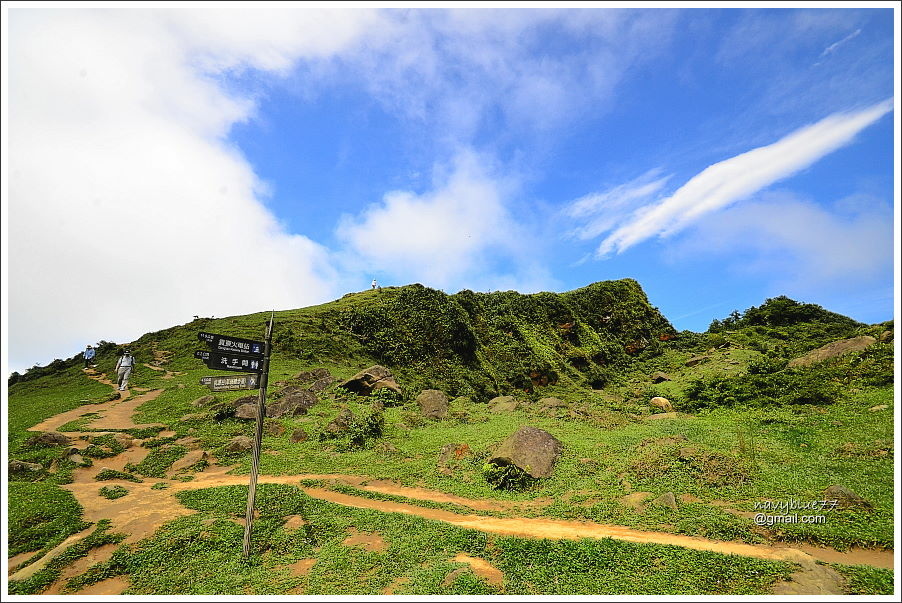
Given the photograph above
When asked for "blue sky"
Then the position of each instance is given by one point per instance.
(717, 156)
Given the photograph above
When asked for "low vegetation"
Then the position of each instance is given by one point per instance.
(745, 428)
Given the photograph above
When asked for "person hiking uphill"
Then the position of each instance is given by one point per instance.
(124, 368)
(89, 356)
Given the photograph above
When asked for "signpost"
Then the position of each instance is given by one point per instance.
(229, 353)
(228, 383)
(230, 362)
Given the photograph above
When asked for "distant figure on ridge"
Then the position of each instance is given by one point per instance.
(374, 283)
(89, 356)
(124, 368)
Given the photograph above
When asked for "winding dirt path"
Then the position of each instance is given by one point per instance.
(145, 509)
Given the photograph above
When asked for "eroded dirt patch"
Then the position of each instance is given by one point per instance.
(302, 567)
(370, 541)
(481, 568)
(110, 586)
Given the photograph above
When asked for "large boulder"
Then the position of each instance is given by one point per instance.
(16, 466)
(433, 404)
(832, 350)
(371, 379)
(203, 401)
(660, 377)
(292, 405)
(530, 449)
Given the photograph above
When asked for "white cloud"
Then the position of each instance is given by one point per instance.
(737, 178)
(601, 212)
(128, 209)
(442, 237)
(809, 249)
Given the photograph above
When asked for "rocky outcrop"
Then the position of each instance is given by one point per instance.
(246, 411)
(367, 381)
(660, 377)
(340, 423)
(433, 404)
(832, 350)
(532, 450)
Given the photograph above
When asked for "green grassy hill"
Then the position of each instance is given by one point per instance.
(747, 428)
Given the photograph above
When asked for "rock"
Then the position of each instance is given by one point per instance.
(662, 403)
(503, 404)
(533, 450)
(832, 350)
(845, 498)
(246, 411)
(23, 467)
(659, 377)
(77, 459)
(885, 337)
(299, 435)
(289, 390)
(433, 404)
(341, 422)
(273, 428)
(239, 444)
(203, 401)
(321, 384)
(49, 438)
(371, 379)
(292, 405)
(304, 377)
(124, 439)
(878, 407)
(697, 360)
(666, 500)
(321, 373)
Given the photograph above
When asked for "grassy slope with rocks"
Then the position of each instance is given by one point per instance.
(749, 429)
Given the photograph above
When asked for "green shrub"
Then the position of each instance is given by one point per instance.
(113, 492)
(507, 477)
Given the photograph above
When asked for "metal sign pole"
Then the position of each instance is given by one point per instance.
(255, 462)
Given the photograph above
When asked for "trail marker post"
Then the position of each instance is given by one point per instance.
(228, 353)
(258, 437)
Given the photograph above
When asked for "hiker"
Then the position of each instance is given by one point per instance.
(124, 368)
(374, 283)
(89, 357)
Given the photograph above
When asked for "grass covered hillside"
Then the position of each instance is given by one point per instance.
(668, 446)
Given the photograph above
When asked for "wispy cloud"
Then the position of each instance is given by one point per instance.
(734, 179)
(832, 47)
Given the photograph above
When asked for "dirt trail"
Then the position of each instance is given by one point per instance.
(145, 509)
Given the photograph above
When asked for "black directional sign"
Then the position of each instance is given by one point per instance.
(232, 345)
(230, 362)
(225, 383)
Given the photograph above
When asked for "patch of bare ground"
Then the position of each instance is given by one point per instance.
(113, 415)
(369, 541)
(110, 586)
(302, 567)
(80, 565)
(397, 583)
(480, 567)
(15, 560)
(812, 579)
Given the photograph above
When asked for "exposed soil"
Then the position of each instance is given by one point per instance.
(481, 568)
(144, 509)
(370, 541)
(302, 567)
